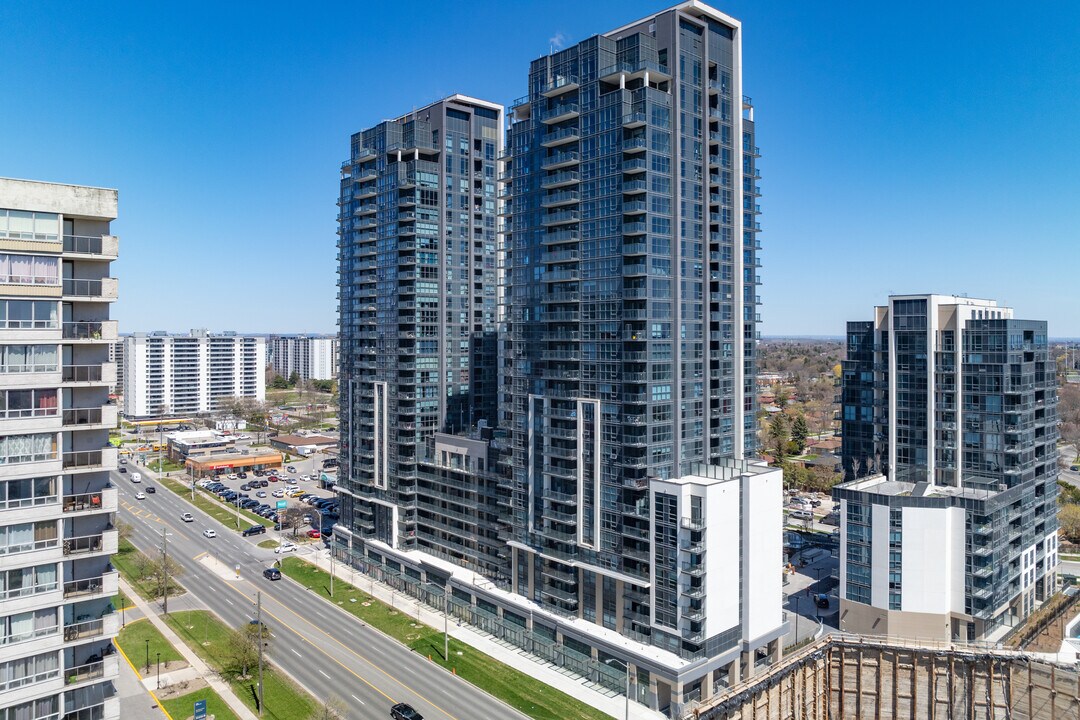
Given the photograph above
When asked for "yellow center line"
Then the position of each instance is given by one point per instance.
(351, 652)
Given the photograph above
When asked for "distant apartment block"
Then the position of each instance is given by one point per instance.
(57, 506)
(311, 357)
(188, 374)
(949, 516)
(116, 357)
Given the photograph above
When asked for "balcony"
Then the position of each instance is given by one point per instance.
(103, 459)
(561, 218)
(634, 145)
(102, 290)
(105, 585)
(89, 374)
(107, 667)
(94, 247)
(104, 500)
(105, 626)
(560, 137)
(634, 165)
(92, 331)
(559, 84)
(559, 113)
(634, 120)
(634, 187)
(560, 179)
(103, 543)
(566, 197)
(560, 160)
(90, 417)
(632, 70)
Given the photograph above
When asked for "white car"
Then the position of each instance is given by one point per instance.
(140, 496)
(136, 478)
(209, 533)
(285, 547)
(232, 476)
(187, 517)
(278, 493)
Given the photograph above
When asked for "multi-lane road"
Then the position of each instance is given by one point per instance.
(322, 647)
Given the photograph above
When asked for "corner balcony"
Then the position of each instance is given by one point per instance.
(560, 84)
(104, 500)
(103, 290)
(103, 543)
(90, 331)
(103, 627)
(90, 460)
(88, 375)
(107, 667)
(90, 418)
(92, 247)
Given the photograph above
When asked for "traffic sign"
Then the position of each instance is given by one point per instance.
(200, 710)
(282, 504)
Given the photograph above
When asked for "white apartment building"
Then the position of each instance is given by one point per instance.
(57, 505)
(311, 357)
(116, 357)
(188, 374)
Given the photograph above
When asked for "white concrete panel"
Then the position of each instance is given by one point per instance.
(929, 560)
(879, 556)
(721, 556)
(763, 549)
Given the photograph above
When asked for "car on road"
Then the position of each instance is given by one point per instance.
(151, 489)
(254, 530)
(122, 461)
(187, 517)
(136, 478)
(405, 711)
(123, 469)
(1075, 468)
(140, 496)
(313, 534)
(209, 533)
(285, 547)
(272, 574)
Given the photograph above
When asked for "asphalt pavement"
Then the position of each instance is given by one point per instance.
(323, 648)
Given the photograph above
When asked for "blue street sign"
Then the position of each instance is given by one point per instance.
(200, 710)
(282, 504)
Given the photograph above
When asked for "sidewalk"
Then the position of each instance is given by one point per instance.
(556, 677)
(198, 667)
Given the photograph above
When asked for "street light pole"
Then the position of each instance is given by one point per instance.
(159, 671)
(147, 670)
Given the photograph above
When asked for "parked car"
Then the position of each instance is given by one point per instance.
(187, 517)
(261, 493)
(257, 473)
(404, 711)
(242, 475)
(232, 476)
(291, 469)
(254, 530)
(209, 533)
(821, 600)
(278, 493)
(245, 487)
(272, 574)
(285, 547)
(313, 534)
(801, 515)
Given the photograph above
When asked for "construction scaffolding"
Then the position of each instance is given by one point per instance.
(843, 676)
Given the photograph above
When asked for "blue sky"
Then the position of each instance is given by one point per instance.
(930, 148)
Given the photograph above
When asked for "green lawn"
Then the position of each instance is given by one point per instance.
(132, 640)
(213, 506)
(166, 463)
(512, 686)
(126, 561)
(268, 544)
(183, 707)
(204, 633)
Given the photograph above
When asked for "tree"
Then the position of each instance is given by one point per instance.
(279, 383)
(243, 651)
(123, 530)
(333, 709)
(799, 432)
(778, 434)
(1069, 519)
(294, 378)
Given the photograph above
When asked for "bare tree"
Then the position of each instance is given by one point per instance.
(334, 708)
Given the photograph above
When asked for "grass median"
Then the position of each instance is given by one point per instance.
(214, 507)
(141, 640)
(135, 567)
(183, 707)
(517, 689)
(204, 633)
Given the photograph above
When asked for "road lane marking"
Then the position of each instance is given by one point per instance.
(324, 675)
(298, 654)
(200, 555)
(230, 602)
(358, 700)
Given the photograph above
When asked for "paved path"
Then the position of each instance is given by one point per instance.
(197, 668)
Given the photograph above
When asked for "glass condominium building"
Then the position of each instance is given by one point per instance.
(418, 304)
(949, 516)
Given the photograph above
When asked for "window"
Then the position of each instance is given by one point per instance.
(29, 314)
(29, 670)
(27, 626)
(28, 403)
(24, 225)
(28, 358)
(25, 537)
(29, 269)
(27, 581)
(27, 492)
(27, 448)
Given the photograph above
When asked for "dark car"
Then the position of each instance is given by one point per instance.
(123, 469)
(282, 526)
(821, 600)
(272, 574)
(151, 489)
(257, 473)
(245, 487)
(254, 530)
(405, 711)
(242, 475)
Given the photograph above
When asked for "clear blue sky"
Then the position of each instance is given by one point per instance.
(926, 147)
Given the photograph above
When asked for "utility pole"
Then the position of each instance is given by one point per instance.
(259, 625)
(165, 569)
(446, 631)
